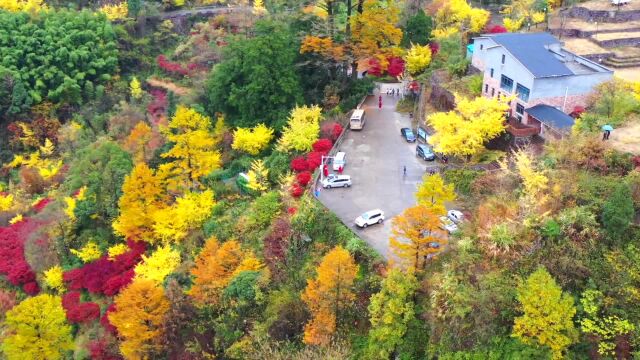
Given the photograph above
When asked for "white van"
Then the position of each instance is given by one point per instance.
(357, 119)
(339, 161)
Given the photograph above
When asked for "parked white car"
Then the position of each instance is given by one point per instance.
(333, 181)
(371, 217)
(456, 216)
(448, 225)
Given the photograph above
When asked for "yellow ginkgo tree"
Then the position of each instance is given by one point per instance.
(418, 58)
(258, 176)
(464, 131)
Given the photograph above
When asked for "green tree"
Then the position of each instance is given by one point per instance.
(547, 318)
(101, 167)
(417, 31)
(37, 329)
(390, 312)
(618, 212)
(60, 55)
(257, 80)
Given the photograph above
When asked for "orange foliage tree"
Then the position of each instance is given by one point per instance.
(328, 294)
(139, 317)
(415, 234)
(136, 142)
(215, 266)
(143, 194)
(323, 46)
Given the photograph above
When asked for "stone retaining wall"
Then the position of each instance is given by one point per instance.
(611, 16)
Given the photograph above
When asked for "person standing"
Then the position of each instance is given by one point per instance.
(380, 102)
(404, 170)
(340, 170)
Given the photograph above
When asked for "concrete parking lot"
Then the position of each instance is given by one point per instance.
(376, 156)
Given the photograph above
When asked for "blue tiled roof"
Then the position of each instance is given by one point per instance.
(529, 49)
(551, 116)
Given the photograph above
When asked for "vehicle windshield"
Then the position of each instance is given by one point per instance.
(365, 216)
(409, 133)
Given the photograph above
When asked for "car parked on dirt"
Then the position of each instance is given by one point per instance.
(371, 217)
(425, 152)
(334, 181)
(408, 134)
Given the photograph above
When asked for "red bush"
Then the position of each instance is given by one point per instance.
(159, 103)
(104, 320)
(375, 69)
(396, 66)
(296, 190)
(331, 130)
(435, 47)
(322, 146)
(292, 211)
(170, 66)
(12, 261)
(105, 276)
(336, 131)
(101, 350)
(40, 205)
(496, 29)
(314, 159)
(78, 312)
(31, 288)
(303, 178)
(299, 164)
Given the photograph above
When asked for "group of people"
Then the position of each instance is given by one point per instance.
(393, 92)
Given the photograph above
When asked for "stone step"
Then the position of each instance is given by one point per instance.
(618, 64)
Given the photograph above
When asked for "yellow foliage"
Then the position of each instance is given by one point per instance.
(547, 318)
(258, 176)
(606, 328)
(327, 294)
(418, 58)
(115, 11)
(258, 7)
(464, 131)
(434, 193)
(134, 87)
(143, 194)
(17, 161)
(48, 148)
(71, 207)
(139, 317)
(89, 252)
(37, 329)
(23, 5)
(194, 146)
(538, 17)
(458, 15)
(28, 136)
(172, 224)
(375, 32)
(158, 265)
(302, 129)
(535, 182)
(513, 25)
(6, 202)
(252, 141)
(15, 219)
(116, 250)
(48, 168)
(54, 280)
(249, 263)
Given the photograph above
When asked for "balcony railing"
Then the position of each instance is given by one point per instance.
(518, 129)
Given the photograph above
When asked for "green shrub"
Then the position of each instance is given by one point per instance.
(264, 209)
(461, 179)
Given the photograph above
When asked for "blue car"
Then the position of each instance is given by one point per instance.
(408, 134)
(425, 152)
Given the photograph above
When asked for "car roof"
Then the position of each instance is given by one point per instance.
(341, 176)
(424, 147)
(374, 211)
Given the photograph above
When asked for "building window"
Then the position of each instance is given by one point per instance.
(492, 73)
(493, 91)
(502, 59)
(523, 92)
(486, 88)
(519, 109)
(506, 84)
